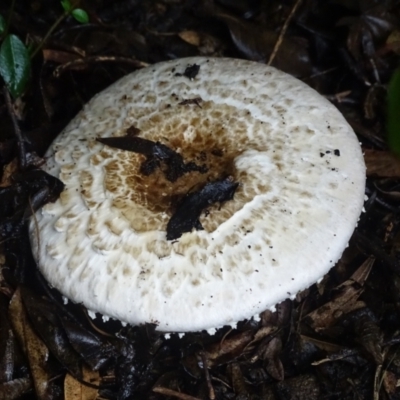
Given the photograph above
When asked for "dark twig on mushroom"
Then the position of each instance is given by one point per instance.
(156, 153)
(186, 216)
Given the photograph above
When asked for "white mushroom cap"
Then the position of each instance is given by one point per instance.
(301, 176)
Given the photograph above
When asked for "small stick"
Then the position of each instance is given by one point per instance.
(211, 393)
(17, 130)
(375, 70)
(82, 62)
(282, 33)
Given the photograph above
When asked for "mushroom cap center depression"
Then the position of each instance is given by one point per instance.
(209, 134)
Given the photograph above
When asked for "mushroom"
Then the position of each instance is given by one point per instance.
(299, 180)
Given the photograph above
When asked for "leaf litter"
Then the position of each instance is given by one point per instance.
(338, 340)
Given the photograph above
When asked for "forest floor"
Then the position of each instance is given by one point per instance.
(339, 339)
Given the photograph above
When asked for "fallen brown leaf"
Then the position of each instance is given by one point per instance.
(33, 347)
(361, 274)
(75, 390)
(238, 382)
(381, 164)
(274, 365)
(8, 171)
(390, 382)
(191, 37)
(393, 42)
(328, 314)
(228, 349)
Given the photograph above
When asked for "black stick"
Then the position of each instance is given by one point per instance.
(17, 130)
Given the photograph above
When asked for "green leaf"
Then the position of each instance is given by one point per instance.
(14, 65)
(66, 5)
(393, 118)
(80, 15)
(2, 25)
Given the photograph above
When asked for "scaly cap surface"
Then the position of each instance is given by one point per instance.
(301, 176)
